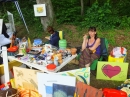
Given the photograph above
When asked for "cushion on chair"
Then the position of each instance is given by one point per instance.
(104, 47)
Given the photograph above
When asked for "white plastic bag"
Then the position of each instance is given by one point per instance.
(118, 52)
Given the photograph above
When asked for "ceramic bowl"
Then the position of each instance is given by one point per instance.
(51, 67)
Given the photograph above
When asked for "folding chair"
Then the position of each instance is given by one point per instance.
(104, 53)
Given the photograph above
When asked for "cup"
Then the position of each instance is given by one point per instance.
(56, 61)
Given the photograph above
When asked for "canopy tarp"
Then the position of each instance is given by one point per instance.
(7, 0)
(19, 10)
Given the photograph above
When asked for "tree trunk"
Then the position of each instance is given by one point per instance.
(49, 18)
(82, 7)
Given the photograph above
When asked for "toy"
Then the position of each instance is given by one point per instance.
(23, 46)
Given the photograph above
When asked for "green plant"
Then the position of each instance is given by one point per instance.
(100, 16)
(125, 22)
(67, 11)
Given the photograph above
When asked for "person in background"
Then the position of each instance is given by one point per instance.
(54, 38)
(12, 38)
(6, 36)
(90, 48)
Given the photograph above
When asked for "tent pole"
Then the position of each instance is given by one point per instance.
(21, 15)
(5, 62)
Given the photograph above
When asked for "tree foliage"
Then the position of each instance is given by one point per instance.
(104, 14)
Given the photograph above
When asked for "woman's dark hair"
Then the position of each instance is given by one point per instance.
(50, 29)
(94, 30)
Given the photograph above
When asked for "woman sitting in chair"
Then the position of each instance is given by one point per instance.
(90, 48)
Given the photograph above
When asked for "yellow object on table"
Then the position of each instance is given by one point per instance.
(113, 59)
(61, 34)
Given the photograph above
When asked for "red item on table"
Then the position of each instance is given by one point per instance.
(12, 49)
(51, 67)
(114, 93)
(27, 50)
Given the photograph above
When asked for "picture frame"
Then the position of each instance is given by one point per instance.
(112, 70)
(63, 90)
(46, 81)
(39, 10)
(26, 78)
(10, 25)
